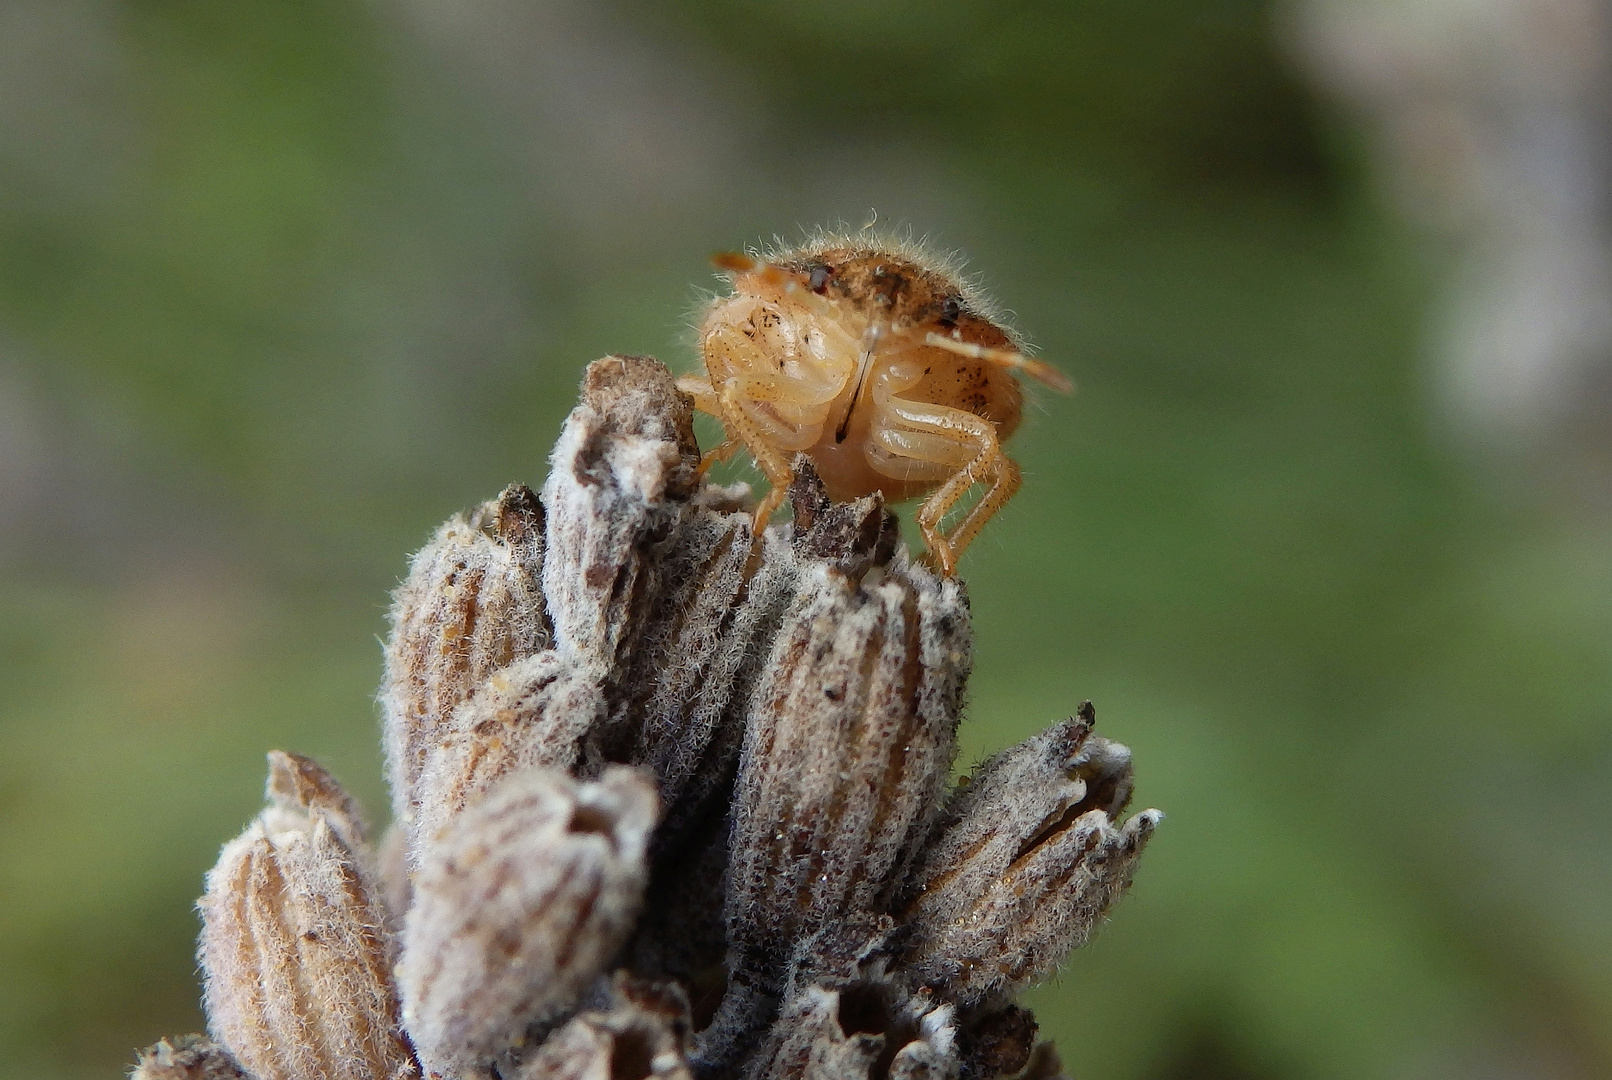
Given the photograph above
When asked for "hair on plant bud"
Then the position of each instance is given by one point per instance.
(851, 736)
(1013, 797)
(471, 604)
(531, 714)
(293, 948)
(519, 904)
(392, 873)
(1030, 861)
(189, 1057)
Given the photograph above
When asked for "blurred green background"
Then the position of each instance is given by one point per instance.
(282, 285)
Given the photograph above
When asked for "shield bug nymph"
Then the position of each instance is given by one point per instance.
(881, 363)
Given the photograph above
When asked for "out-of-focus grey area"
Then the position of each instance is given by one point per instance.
(1324, 532)
(1490, 124)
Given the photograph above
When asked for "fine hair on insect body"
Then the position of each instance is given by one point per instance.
(881, 363)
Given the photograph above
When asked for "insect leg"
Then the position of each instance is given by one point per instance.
(967, 443)
(1002, 474)
(706, 401)
(772, 458)
(699, 388)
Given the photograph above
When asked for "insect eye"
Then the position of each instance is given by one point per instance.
(820, 277)
(950, 309)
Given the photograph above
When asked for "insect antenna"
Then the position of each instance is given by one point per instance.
(1036, 369)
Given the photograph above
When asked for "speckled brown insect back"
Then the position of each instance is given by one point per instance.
(877, 360)
(672, 801)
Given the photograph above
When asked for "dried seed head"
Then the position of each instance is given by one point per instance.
(189, 1057)
(472, 603)
(643, 1035)
(531, 714)
(1012, 800)
(658, 586)
(620, 478)
(793, 696)
(851, 736)
(1030, 862)
(519, 904)
(854, 536)
(293, 948)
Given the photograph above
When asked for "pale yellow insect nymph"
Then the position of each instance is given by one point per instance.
(877, 361)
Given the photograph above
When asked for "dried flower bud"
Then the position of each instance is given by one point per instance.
(678, 706)
(531, 714)
(1029, 864)
(519, 903)
(472, 603)
(620, 478)
(851, 736)
(643, 1035)
(865, 1030)
(563, 673)
(296, 960)
(189, 1057)
(1014, 797)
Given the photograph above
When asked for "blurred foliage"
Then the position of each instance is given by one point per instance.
(282, 285)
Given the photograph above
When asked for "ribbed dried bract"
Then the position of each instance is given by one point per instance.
(642, 1035)
(619, 480)
(1029, 864)
(851, 736)
(519, 904)
(678, 706)
(532, 714)
(472, 603)
(866, 1030)
(189, 1057)
(294, 949)
(1012, 799)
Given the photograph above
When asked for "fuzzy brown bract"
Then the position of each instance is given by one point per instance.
(672, 801)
